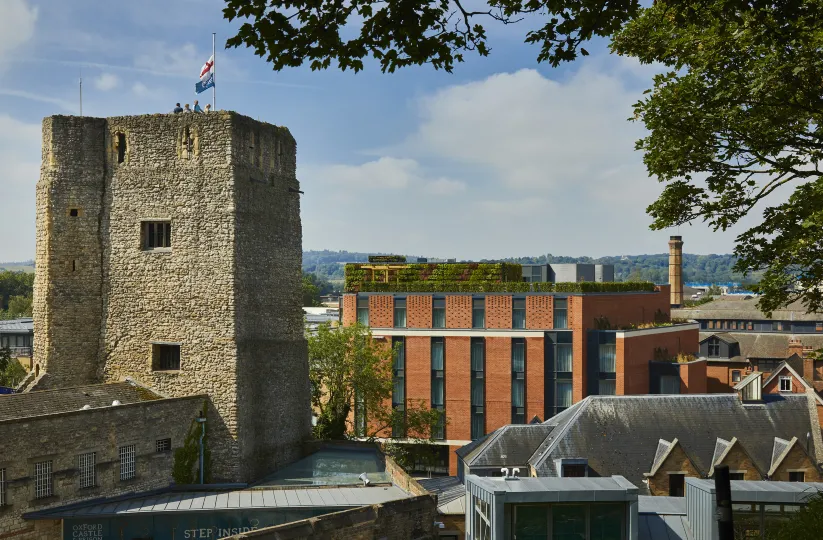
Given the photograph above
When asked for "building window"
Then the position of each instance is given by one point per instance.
(478, 387)
(750, 325)
(785, 384)
(438, 377)
(156, 235)
(607, 358)
(797, 476)
(607, 387)
(399, 312)
(574, 470)
(714, 348)
(518, 381)
(677, 484)
(563, 395)
(165, 357)
(438, 313)
(669, 384)
(561, 319)
(86, 464)
(121, 147)
(737, 475)
(3, 487)
(818, 327)
(736, 376)
(43, 480)
(127, 470)
(564, 355)
(161, 446)
(519, 313)
(363, 310)
(478, 313)
(398, 395)
(74, 212)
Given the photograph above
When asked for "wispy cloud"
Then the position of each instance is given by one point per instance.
(106, 82)
(62, 103)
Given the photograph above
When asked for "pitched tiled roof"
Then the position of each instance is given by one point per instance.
(740, 308)
(17, 326)
(31, 404)
(621, 434)
(768, 345)
(509, 446)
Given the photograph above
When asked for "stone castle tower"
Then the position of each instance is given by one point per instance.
(169, 251)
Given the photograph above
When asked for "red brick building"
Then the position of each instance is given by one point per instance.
(492, 359)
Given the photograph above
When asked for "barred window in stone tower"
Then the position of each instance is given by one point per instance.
(156, 234)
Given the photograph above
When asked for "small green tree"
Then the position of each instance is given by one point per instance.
(11, 371)
(20, 306)
(311, 293)
(806, 524)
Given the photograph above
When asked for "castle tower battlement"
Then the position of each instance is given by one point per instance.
(169, 250)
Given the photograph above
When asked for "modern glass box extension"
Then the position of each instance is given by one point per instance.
(550, 508)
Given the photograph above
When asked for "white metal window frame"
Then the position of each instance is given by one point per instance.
(788, 381)
(2, 487)
(87, 463)
(127, 455)
(43, 484)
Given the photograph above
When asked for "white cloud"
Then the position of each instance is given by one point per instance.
(16, 26)
(19, 151)
(140, 89)
(62, 103)
(107, 81)
(445, 186)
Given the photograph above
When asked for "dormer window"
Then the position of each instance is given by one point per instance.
(714, 348)
(785, 384)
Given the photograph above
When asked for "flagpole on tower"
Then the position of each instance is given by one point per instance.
(213, 73)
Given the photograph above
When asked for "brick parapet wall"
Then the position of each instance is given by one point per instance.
(693, 377)
(349, 309)
(498, 311)
(498, 377)
(458, 311)
(539, 312)
(458, 388)
(634, 352)
(419, 311)
(381, 311)
(402, 479)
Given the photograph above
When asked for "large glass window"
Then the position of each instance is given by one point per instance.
(363, 310)
(564, 356)
(399, 312)
(359, 414)
(478, 388)
(438, 313)
(607, 387)
(560, 313)
(519, 313)
(398, 397)
(438, 384)
(478, 313)
(568, 521)
(606, 521)
(607, 358)
(563, 394)
(531, 522)
(518, 381)
(714, 347)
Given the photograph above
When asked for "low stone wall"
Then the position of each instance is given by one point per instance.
(406, 519)
(402, 479)
(60, 438)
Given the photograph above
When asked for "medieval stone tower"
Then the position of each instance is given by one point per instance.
(169, 251)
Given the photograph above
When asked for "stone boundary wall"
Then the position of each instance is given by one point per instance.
(412, 519)
(401, 478)
(62, 437)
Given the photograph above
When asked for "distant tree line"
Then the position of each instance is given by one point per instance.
(15, 294)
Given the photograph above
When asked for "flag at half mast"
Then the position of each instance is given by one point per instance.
(206, 76)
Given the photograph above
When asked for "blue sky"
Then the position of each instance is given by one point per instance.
(504, 157)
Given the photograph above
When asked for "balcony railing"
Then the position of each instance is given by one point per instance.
(17, 352)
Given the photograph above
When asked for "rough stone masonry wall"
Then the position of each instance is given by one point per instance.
(67, 287)
(407, 519)
(224, 290)
(62, 437)
(272, 362)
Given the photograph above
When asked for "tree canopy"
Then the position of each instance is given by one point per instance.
(735, 118)
(400, 33)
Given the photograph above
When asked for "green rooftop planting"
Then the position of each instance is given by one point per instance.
(467, 278)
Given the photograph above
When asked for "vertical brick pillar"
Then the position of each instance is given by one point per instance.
(458, 311)
(498, 311)
(381, 311)
(498, 382)
(458, 388)
(539, 312)
(419, 311)
(535, 378)
(349, 309)
(576, 323)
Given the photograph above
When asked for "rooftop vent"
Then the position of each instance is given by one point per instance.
(115, 403)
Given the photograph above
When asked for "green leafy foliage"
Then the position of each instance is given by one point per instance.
(311, 293)
(473, 275)
(346, 361)
(11, 371)
(15, 294)
(805, 524)
(504, 287)
(400, 33)
(186, 467)
(736, 118)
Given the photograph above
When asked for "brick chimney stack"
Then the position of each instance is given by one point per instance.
(676, 270)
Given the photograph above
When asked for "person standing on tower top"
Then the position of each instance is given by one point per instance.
(177, 109)
(197, 106)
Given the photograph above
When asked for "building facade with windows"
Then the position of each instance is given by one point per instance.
(491, 359)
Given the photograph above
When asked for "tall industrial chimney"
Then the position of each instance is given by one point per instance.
(676, 270)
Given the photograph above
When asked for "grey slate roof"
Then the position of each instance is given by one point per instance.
(17, 326)
(31, 404)
(212, 501)
(620, 434)
(725, 336)
(768, 345)
(740, 308)
(508, 446)
(450, 493)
